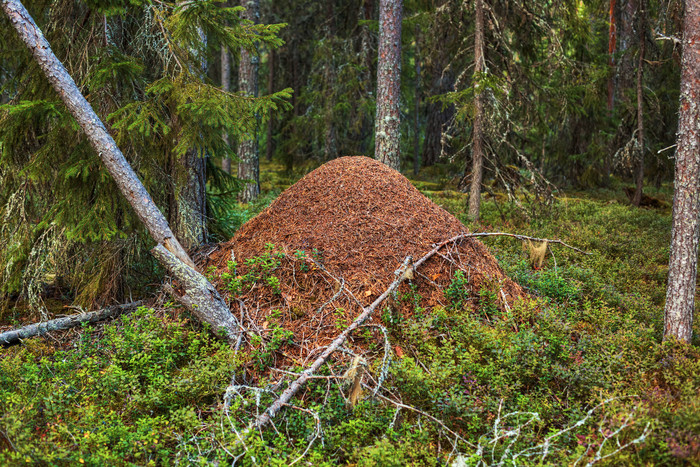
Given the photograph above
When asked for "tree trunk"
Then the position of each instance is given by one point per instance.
(612, 44)
(270, 89)
(67, 322)
(189, 217)
(249, 163)
(682, 270)
(120, 170)
(438, 117)
(226, 86)
(330, 145)
(612, 38)
(477, 130)
(189, 210)
(626, 37)
(387, 131)
(363, 134)
(416, 110)
(637, 199)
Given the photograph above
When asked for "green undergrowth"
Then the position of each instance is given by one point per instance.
(565, 375)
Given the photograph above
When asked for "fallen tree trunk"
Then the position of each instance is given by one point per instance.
(59, 324)
(212, 310)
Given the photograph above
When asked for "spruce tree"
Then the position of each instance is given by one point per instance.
(135, 62)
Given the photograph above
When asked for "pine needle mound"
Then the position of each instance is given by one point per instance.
(341, 232)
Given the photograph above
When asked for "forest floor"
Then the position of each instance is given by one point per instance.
(574, 375)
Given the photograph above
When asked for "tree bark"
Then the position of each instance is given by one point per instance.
(438, 117)
(189, 218)
(639, 175)
(330, 140)
(387, 131)
(477, 130)
(205, 301)
(416, 110)
(270, 89)
(200, 296)
(59, 324)
(612, 39)
(249, 162)
(612, 44)
(226, 86)
(188, 212)
(682, 270)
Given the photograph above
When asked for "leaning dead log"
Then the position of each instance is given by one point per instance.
(212, 310)
(113, 159)
(200, 296)
(59, 324)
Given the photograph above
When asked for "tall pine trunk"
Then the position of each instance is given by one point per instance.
(387, 131)
(612, 44)
(612, 39)
(682, 268)
(249, 162)
(477, 130)
(188, 213)
(330, 146)
(416, 110)
(639, 173)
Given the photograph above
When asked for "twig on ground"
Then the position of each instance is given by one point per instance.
(386, 361)
(505, 234)
(428, 416)
(317, 433)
